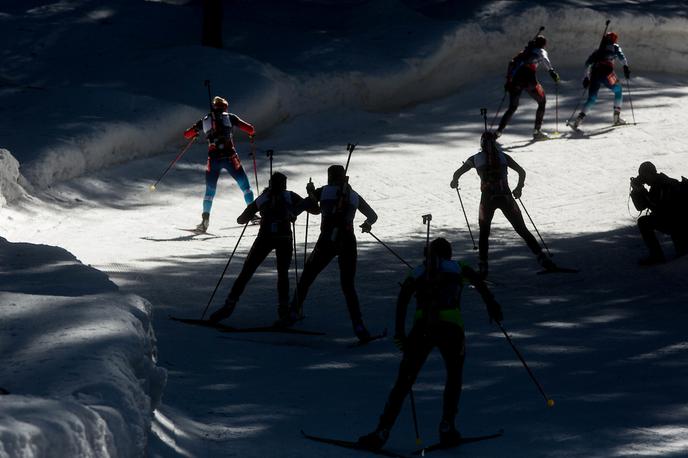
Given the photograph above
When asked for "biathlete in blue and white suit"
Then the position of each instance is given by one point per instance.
(492, 163)
(218, 126)
(520, 76)
(599, 70)
(338, 206)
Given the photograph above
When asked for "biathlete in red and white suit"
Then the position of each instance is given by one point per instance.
(218, 126)
(520, 76)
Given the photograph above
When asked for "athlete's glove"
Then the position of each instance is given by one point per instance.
(517, 192)
(627, 72)
(310, 188)
(365, 227)
(554, 75)
(400, 341)
(454, 184)
(586, 82)
(190, 133)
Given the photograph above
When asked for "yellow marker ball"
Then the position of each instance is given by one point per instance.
(550, 403)
(152, 187)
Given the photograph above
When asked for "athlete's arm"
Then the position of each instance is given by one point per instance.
(369, 213)
(241, 124)
(543, 58)
(521, 173)
(494, 310)
(465, 167)
(248, 213)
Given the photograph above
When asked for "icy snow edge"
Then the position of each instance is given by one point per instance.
(81, 370)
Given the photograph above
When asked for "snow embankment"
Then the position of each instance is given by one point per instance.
(78, 359)
(10, 188)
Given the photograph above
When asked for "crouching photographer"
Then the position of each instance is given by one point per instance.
(667, 203)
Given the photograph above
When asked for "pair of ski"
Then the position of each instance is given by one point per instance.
(420, 452)
(271, 328)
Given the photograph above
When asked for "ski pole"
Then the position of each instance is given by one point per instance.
(206, 83)
(483, 113)
(152, 187)
(550, 402)
(305, 238)
(536, 229)
(269, 154)
(466, 217)
(296, 267)
(415, 417)
(580, 99)
(255, 168)
(499, 108)
(556, 108)
(224, 271)
(630, 99)
(391, 250)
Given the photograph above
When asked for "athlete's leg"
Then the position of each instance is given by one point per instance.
(593, 89)
(323, 252)
(347, 258)
(486, 213)
(238, 173)
(283, 253)
(212, 173)
(416, 351)
(262, 246)
(450, 342)
(538, 94)
(511, 211)
(514, 96)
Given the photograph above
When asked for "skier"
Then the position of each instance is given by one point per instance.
(438, 323)
(218, 126)
(492, 165)
(599, 69)
(278, 208)
(667, 200)
(520, 75)
(338, 205)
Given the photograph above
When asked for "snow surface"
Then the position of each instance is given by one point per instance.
(608, 344)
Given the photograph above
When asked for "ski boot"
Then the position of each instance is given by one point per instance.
(286, 317)
(203, 227)
(576, 122)
(545, 261)
(449, 436)
(361, 332)
(374, 440)
(539, 135)
(223, 312)
(618, 120)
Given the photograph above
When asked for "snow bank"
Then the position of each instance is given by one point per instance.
(80, 368)
(10, 188)
(476, 49)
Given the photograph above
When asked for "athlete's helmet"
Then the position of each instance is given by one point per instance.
(540, 41)
(440, 248)
(487, 139)
(335, 174)
(219, 103)
(611, 38)
(278, 182)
